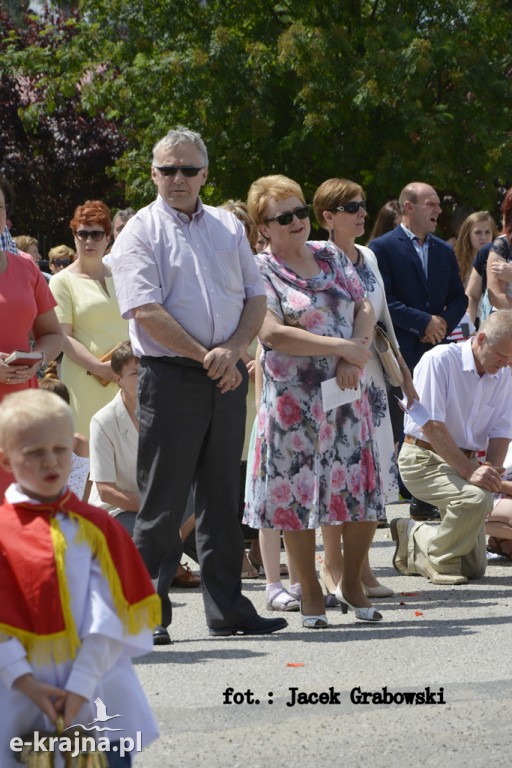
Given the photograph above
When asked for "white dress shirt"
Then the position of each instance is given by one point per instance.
(474, 408)
(201, 270)
(113, 451)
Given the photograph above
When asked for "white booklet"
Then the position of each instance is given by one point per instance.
(333, 396)
(417, 412)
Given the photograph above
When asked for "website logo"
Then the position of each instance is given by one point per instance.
(77, 740)
(101, 717)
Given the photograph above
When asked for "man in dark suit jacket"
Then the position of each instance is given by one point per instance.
(425, 303)
(424, 291)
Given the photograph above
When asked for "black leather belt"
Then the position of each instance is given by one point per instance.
(176, 360)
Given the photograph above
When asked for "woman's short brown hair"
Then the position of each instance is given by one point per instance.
(333, 193)
(266, 188)
(92, 212)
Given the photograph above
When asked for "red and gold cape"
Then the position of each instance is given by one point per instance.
(35, 606)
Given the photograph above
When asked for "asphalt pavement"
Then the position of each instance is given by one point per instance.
(428, 685)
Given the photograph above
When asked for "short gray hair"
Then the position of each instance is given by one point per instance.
(181, 135)
(124, 215)
(497, 326)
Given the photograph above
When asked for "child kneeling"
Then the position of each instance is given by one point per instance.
(77, 601)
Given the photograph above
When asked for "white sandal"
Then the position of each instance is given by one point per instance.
(282, 601)
(314, 622)
(363, 613)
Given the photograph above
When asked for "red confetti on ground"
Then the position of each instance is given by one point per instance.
(294, 663)
(409, 594)
(401, 603)
(418, 613)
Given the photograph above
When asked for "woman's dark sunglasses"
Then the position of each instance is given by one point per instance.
(352, 207)
(62, 262)
(84, 234)
(172, 170)
(287, 217)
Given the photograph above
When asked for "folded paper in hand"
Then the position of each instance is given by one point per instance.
(333, 396)
(417, 412)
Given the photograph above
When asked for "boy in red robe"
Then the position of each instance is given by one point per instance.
(76, 600)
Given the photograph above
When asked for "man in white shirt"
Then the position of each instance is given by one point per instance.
(187, 281)
(466, 390)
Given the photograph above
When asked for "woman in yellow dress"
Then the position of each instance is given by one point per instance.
(89, 315)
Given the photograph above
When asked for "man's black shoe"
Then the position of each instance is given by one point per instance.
(256, 625)
(161, 636)
(421, 511)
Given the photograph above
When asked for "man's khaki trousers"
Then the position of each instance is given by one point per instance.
(457, 544)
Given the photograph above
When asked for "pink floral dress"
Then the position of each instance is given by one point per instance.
(310, 468)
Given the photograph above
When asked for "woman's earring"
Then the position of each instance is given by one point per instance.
(331, 234)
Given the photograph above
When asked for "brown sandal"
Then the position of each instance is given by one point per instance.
(249, 572)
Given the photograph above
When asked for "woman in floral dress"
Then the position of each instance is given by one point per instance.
(310, 467)
(340, 208)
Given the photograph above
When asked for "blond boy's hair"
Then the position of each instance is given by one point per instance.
(23, 409)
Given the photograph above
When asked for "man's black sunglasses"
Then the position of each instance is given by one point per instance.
(287, 217)
(172, 170)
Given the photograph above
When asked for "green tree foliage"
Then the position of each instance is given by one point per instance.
(15, 9)
(380, 91)
(54, 153)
